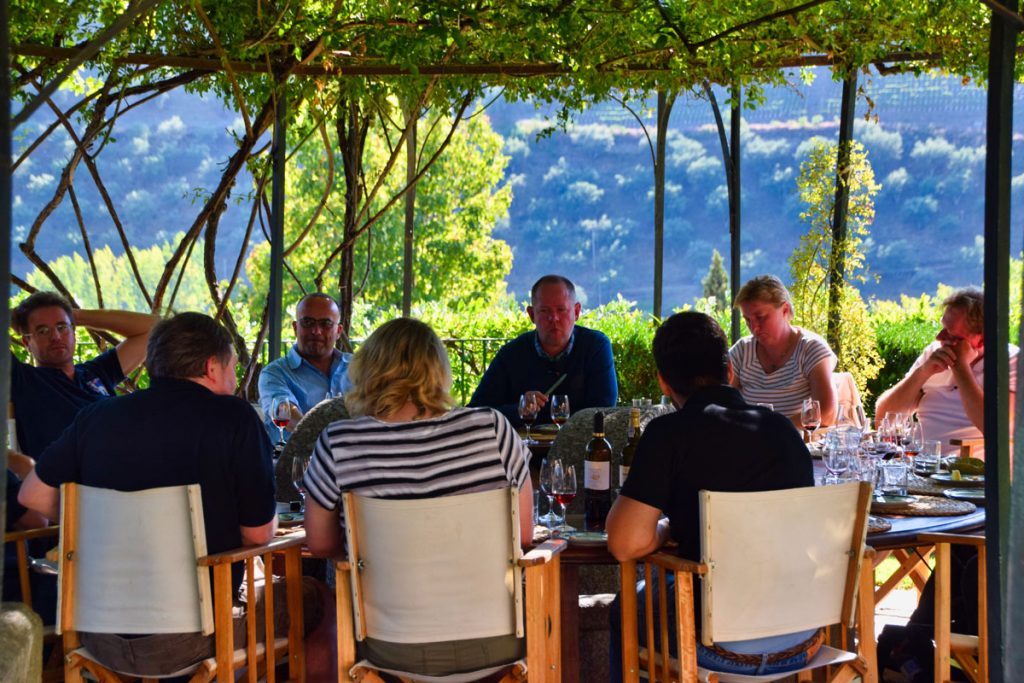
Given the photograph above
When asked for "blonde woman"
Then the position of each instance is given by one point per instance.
(406, 440)
(779, 363)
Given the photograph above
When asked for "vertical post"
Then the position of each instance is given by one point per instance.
(410, 212)
(664, 109)
(999, 130)
(734, 211)
(5, 239)
(837, 258)
(279, 152)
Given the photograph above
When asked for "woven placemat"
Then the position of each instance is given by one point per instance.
(924, 486)
(877, 525)
(930, 506)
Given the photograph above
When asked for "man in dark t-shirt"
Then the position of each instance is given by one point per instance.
(714, 441)
(49, 394)
(187, 428)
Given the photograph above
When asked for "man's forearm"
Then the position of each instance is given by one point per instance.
(903, 397)
(124, 323)
(972, 397)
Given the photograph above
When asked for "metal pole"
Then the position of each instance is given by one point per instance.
(279, 152)
(999, 132)
(664, 109)
(837, 258)
(734, 211)
(410, 214)
(5, 239)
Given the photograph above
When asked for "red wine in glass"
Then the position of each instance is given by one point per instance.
(564, 498)
(281, 424)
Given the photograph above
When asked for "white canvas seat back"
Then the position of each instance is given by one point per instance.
(134, 563)
(435, 569)
(779, 561)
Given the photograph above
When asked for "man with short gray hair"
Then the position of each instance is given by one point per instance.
(945, 385)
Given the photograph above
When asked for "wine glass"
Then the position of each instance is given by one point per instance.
(563, 486)
(810, 416)
(914, 443)
(548, 519)
(559, 409)
(299, 465)
(528, 413)
(281, 415)
(837, 461)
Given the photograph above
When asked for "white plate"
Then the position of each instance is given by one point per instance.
(973, 495)
(588, 537)
(965, 480)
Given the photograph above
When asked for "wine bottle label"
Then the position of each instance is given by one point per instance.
(623, 473)
(597, 475)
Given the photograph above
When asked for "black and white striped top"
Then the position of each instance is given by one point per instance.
(462, 451)
(787, 387)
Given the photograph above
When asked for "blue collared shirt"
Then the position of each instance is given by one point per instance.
(296, 379)
(565, 352)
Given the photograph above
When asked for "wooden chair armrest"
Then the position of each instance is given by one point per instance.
(959, 539)
(543, 553)
(29, 534)
(674, 563)
(278, 544)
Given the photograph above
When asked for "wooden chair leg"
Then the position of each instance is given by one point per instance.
(942, 612)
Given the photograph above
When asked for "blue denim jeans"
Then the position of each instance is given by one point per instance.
(705, 658)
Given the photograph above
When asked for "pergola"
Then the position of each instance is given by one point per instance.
(573, 53)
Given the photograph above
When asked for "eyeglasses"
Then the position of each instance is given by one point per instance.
(45, 331)
(323, 323)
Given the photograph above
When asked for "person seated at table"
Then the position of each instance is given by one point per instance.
(312, 369)
(779, 363)
(405, 440)
(186, 428)
(20, 518)
(945, 385)
(48, 395)
(715, 441)
(558, 356)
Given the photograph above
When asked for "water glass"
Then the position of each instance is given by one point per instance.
(892, 477)
(929, 458)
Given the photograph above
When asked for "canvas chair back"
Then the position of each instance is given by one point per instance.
(128, 561)
(12, 429)
(405, 589)
(780, 561)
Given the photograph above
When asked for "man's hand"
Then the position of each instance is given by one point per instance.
(538, 397)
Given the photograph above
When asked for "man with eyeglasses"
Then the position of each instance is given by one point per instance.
(558, 357)
(312, 369)
(48, 395)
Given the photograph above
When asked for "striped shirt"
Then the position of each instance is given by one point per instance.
(465, 450)
(787, 387)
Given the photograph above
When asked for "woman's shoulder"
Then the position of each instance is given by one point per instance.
(809, 339)
(742, 346)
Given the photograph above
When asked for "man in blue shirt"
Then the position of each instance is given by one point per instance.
(558, 351)
(312, 369)
(48, 395)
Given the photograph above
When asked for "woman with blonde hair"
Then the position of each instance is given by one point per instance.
(779, 363)
(405, 440)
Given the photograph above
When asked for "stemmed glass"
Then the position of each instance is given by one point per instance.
(914, 443)
(548, 519)
(281, 415)
(810, 416)
(559, 409)
(528, 409)
(837, 461)
(563, 487)
(299, 465)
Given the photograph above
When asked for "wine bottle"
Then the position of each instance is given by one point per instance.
(629, 450)
(597, 466)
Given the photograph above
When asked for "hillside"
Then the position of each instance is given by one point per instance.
(583, 201)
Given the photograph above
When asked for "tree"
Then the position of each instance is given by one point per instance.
(809, 263)
(716, 282)
(458, 202)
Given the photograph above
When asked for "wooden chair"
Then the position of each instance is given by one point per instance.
(848, 395)
(53, 667)
(774, 562)
(446, 569)
(971, 652)
(968, 447)
(136, 563)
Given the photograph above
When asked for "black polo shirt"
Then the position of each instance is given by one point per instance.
(46, 400)
(176, 432)
(718, 442)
